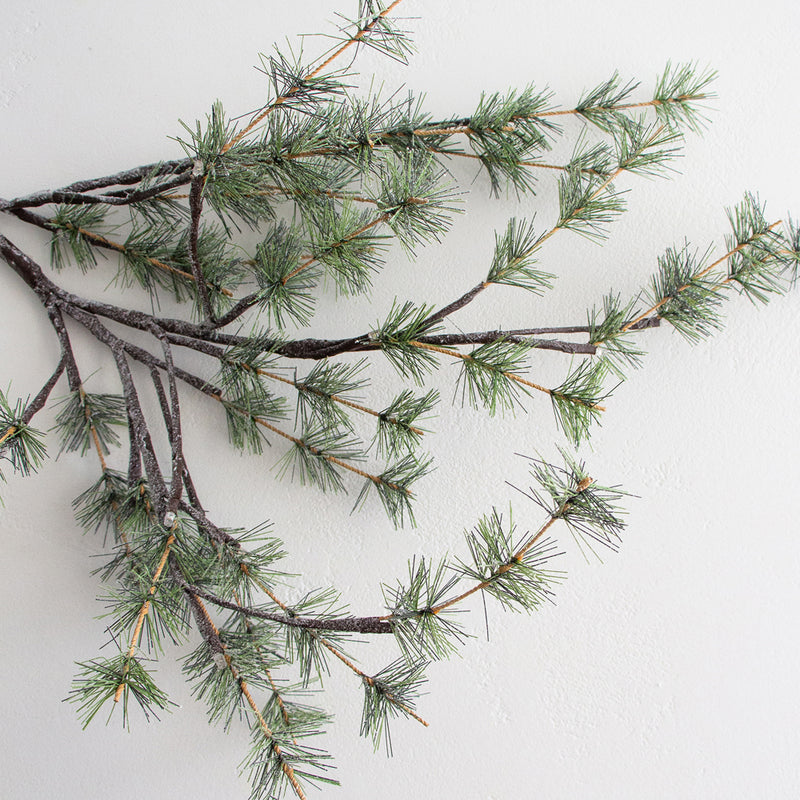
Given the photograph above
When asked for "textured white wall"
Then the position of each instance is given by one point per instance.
(667, 671)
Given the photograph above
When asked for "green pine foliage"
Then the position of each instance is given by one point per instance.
(607, 331)
(72, 228)
(576, 402)
(518, 582)
(88, 418)
(22, 446)
(97, 683)
(390, 693)
(398, 335)
(306, 197)
(513, 260)
(420, 630)
(398, 427)
(283, 294)
(320, 392)
(487, 375)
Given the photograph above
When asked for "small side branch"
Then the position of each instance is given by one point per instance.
(79, 189)
(196, 209)
(37, 404)
(518, 555)
(354, 39)
(210, 633)
(642, 318)
(143, 611)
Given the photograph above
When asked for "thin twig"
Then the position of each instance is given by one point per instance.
(284, 97)
(518, 556)
(699, 275)
(211, 632)
(143, 611)
(510, 375)
(196, 209)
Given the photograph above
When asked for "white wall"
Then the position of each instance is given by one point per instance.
(667, 671)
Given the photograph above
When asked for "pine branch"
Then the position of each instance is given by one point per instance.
(87, 420)
(514, 572)
(76, 194)
(315, 391)
(83, 238)
(281, 757)
(607, 334)
(337, 654)
(340, 167)
(272, 190)
(317, 455)
(358, 36)
(677, 92)
(172, 418)
(693, 277)
(145, 608)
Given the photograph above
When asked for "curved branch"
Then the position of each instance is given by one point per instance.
(76, 193)
(345, 624)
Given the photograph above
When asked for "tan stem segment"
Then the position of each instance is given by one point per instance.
(311, 259)
(10, 431)
(629, 106)
(143, 611)
(537, 164)
(332, 459)
(246, 570)
(699, 275)
(517, 557)
(510, 375)
(287, 769)
(280, 100)
(336, 399)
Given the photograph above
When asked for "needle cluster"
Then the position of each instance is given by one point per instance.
(264, 215)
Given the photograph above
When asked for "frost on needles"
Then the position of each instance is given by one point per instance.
(328, 180)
